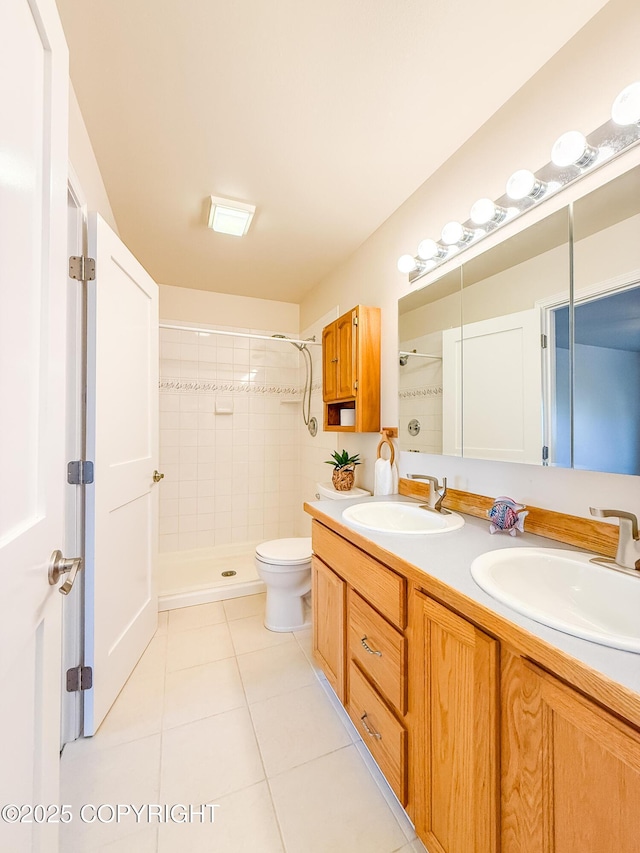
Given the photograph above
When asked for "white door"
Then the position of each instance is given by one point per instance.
(502, 388)
(33, 182)
(121, 608)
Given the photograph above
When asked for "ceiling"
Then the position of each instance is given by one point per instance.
(326, 116)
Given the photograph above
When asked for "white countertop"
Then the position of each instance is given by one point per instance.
(448, 557)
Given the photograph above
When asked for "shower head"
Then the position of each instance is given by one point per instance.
(293, 343)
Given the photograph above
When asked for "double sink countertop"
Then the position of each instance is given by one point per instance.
(440, 565)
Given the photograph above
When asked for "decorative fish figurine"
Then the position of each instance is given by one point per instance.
(506, 514)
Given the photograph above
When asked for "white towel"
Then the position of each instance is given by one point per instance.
(385, 478)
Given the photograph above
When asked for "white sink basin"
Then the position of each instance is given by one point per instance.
(566, 591)
(398, 517)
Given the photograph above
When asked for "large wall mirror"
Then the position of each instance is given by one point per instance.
(542, 365)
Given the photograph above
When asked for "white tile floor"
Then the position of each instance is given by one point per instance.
(220, 710)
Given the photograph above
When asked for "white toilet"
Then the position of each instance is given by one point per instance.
(285, 567)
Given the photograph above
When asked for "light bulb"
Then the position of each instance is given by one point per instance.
(523, 184)
(429, 250)
(572, 149)
(407, 264)
(454, 233)
(626, 107)
(485, 211)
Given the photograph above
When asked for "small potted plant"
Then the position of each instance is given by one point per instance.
(343, 470)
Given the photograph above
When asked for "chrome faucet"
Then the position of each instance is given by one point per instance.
(437, 492)
(628, 553)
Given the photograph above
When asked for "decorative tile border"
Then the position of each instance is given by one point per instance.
(213, 386)
(427, 391)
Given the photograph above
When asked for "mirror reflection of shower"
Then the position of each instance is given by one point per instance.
(309, 422)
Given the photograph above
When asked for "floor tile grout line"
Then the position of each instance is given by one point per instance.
(264, 769)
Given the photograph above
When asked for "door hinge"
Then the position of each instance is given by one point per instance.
(80, 473)
(355, 385)
(543, 341)
(545, 453)
(355, 321)
(82, 268)
(79, 678)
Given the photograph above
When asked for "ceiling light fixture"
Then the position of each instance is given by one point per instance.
(571, 149)
(230, 217)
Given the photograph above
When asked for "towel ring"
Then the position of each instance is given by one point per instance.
(385, 440)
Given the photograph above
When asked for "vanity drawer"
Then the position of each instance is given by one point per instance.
(384, 589)
(385, 737)
(380, 650)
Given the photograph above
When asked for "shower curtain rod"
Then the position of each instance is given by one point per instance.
(202, 331)
(420, 355)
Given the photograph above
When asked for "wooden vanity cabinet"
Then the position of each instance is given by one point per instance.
(329, 597)
(359, 616)
(487, 750)
(351, 370)
(454, 761)
(571, 769)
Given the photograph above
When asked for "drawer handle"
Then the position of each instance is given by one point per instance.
(370, 732)
(368, 648)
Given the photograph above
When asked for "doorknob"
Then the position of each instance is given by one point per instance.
(59, 565)
(157, 476)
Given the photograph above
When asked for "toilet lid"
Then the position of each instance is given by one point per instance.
(286, 551)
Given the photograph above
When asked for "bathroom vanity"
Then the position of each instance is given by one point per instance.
(495, 732)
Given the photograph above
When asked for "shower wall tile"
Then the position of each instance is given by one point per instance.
(228, 477)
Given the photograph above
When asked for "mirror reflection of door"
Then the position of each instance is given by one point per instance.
(606, 317)
(606, 415)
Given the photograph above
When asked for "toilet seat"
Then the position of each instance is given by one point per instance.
(285, 552)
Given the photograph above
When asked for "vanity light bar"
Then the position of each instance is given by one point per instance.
(572, 155)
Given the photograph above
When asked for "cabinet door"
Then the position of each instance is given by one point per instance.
(330, 362)
(454, 753)
(571, 771)
(329, 596)
(347, 355)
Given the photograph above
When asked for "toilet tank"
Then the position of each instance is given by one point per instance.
(326, 492)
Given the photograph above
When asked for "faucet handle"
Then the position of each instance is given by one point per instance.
(617, 513)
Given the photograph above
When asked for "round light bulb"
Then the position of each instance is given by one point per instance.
(407, 264)
(453, 233)
(523, 184)
(626, 107)
(429, 249)
(485, 211)
(572, 149)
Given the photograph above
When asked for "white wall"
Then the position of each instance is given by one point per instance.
(201, 306)
(574, 90)
(84, 164)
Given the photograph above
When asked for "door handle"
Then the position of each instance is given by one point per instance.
(157, 476)
(59, 565)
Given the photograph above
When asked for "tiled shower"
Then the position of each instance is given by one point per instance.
(229, 412)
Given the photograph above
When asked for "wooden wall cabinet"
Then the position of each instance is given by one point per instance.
(351, 370)
(455, 747)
